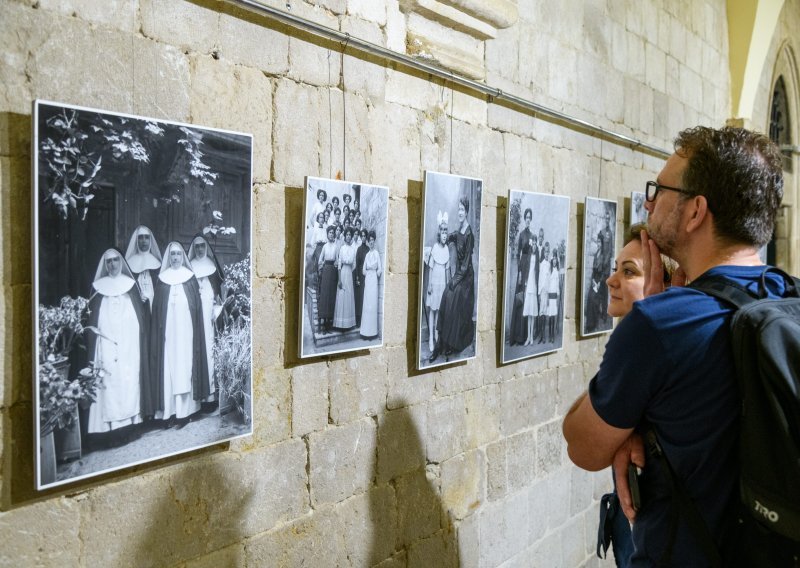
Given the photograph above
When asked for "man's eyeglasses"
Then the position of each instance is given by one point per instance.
(653, 187)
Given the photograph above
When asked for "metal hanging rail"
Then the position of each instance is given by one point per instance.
(497, 95)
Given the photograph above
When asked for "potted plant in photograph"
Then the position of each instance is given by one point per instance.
(59, 395)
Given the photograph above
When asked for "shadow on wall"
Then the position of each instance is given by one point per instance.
(410, 524)
(200, 511)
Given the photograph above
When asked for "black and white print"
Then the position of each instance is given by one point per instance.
(638, 213)
(535, 272)
(449, 268)
(142, 287)
(344, 260)
(599, 237)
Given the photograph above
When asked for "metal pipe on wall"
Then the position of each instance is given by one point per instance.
(497, 95)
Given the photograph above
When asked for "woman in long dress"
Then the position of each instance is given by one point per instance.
(209, 276)
(553, 296)
(119, 347)
(144, 259)
(530, 307)
(344, 314)
(438, 263)
(525, 241)
(328, 279)
(372, 272)
(544, 290)
(455, 325)
(177, 341)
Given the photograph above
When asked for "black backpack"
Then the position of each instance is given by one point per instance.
(765, 335)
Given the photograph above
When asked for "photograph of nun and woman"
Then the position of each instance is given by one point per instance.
(535, 273)
(344, 260)
(450, 257)
(142, 288)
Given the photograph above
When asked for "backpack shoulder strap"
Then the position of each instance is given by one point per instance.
(739, 296)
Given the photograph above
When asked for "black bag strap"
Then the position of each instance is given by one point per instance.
(739, 296)
(683, 504)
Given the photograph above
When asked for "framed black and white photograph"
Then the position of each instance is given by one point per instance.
(142, 288)
(599, 236)
(449, 267)
(638, 214)
(537, 234)
(344, 260)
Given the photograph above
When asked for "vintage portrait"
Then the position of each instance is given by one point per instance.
(449, 262)
(535, 271)
(142, 289)
(344, 260)
(638, 214)
(599, 236)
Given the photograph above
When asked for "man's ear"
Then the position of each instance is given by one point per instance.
(697, 211)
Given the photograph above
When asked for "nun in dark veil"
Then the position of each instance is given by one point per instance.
(117, 343)
(209, 276)
(177, 341)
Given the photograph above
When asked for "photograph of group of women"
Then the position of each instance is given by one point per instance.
(451, 234)
(142, 290)
(599, 236)
(536, 254)
(344, 259)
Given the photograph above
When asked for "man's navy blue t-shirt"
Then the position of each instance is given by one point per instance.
(669, 363)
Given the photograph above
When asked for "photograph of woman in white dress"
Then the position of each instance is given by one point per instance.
(438, 265)
(455, 327)
(335, 281)
(533, 297)
(121, 318)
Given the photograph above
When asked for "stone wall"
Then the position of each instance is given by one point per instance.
(356, 460)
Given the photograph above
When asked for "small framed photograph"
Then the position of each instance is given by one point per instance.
(344, 260)
(638, 213)
(599, 237)
(537, 234)
(142, 289)
(449, 267)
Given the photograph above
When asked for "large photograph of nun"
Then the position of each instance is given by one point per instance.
(599, 236)
(142, 289)
(344, 255)
(449, 268)
(535, 271)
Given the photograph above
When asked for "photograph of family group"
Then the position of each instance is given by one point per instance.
(344, 259)
(451, 235)
(599, 236)
(535, 271)
(142, 287)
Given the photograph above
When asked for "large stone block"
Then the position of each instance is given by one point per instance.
(119, 14)
(440, 549)
(483, 415)
(186, 25)
(503, 530)
(394, 132)
(550, 448)
(309, 398)
(227, 557)
(401, 447)
(298, 142)
(247, 39)
(463, 483)
(342, 461)
(272, 406)
(365, 77)
(573, 548)
(518, 400)
(42, 534)
(582, 490)
(368, 9)
(234, 98)
(369, 525)
(419, 507)
(358, 386)
(312, 64)
(571, 384)
(446, 428)
(521, 460)
(397, 316)
(407, 388)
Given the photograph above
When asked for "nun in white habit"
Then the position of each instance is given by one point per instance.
(209, 277)
(119, 347)
(177, 340)
(144, 259)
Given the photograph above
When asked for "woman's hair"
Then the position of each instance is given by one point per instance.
(634, 233)
(337, 211)
(363, 233)
(324, 195)
(349, 231)
(465, 202)
(330, 229)
(442, 227)
(371, 235)
(528, 213)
